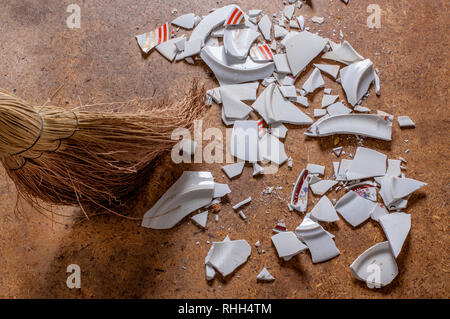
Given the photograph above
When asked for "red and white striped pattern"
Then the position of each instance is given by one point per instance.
(149, 40)
(260, 128)
(235, 17)
(261, 53)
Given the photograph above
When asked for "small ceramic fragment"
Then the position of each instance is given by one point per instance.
(396, 226)
(317, 19)
(343, 53)
(324, 211)
(288, 91)
(405, 121)
(354, 209)
(242, 203)
(337, 151)
(280, 227)
(315, 169)
(279, 32)
(327, 100)
(244, 141)
(235, 17)
(356, 79)
(186, 21)
(287, 245)
(265, 25)
(233, 170)
(278, 130)
(281, 64)
(299, 196)
(257, 169)
(149, 40)
(254, 13)
(402, 187)
(303, 100)
(361, 109)
(330, 69)
(200, 219)
(322, 187)
(242, 215)
(261, 53)
(265, 275)
(237, 42)
(314, 81)
(367, 163)
(192, 47)
(338, 109)
(319, 112)
(226, 257)
(272, 149)
(378, 211)
(294, 24)
(220, 190)
(289, 11)
(301, 22)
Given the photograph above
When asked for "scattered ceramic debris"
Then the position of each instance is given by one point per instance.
(317, 19)
(338, 151)
(242, 203)
(200, 219)
(265, 275)
(287, 245)
(301, 22)
(242, 215)
(289, 11)
(237, 42)
(280, 227)
(235, 17)
(319, 112)
(327, 100)
(282, 65)
(405, 122)
(278, 130)
(233, 170)
(257, 169)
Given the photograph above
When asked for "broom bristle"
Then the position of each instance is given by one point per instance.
(88, 158)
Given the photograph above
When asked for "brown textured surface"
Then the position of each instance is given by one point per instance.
(101, 62)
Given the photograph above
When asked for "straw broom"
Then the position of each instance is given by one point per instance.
(76, 157)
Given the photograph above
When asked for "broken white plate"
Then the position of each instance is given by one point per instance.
(370, 125)
(378, 211)
(320, 244)
(356, 79)
(244, 141)
(281, 64)
(405, 121)
(226, 257)
(237, 42)
(367, 163)
(343, 53)
(354, 208)
(265, 275)
(328, 99)
(233, 170)
(210, 22)
(299, 195)
(330, 69)
(314, 82)
(402, 187)
(321, 187)
(261, 53)
(271, 149)
(302, 48)
(376, 266)
(265, 25)
(228, 72)
(186, 21)
(235, 17)
(396, 226)
(190, 192)
(149, 40)
(338, 109)
(324, 211)
(287, 245)
(233, 107)
(201, 219)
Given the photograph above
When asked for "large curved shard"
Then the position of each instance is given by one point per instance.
(356, 79)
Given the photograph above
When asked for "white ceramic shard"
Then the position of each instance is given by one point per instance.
(190, 192)
(322, 187)
(343, 53)
(265, 275)
(244, 141)
(315, 169)
(303, 100)
(376, 266)
(337, 151)
(271, 149)
(254, 13)
(370, 125)
(233, 170)
(326, 90)
(192, 47)
(218, 32)
(169, 49)
(319, 112)
(336, 169)
(243, 92)
(279, 32)
(265, 25)
(354, 209)
(314, 82)
(361, 109)
(237, 42)
(356, 79)
(201, 219)
(299, 195)
(324, 211)
(376, 81)
(327, 100)
(402, 187)
(220, 190)
(228, 72)
(211, 22)
(261, 53)
(180, 43)
(242, 203)
(338, 109)
(233, 107)
(396, 226)
(284, 79)
(302, 48)
(278, 130)
(226, 257)
(288, 91)
(386, 193)
(257, 169)
(281, 64)
(149, 40)
(287, 245)
(405, 121)
(294, 24)
(317, 19)
(365, 190)
(320, 244)
(186, 21)
(274, 108)
(289, 11)
(301, 22)
(343, 168)
(313, 179)
(280, 227)
(378, 211)
(210, 272)
(367, 163)
(235, 17)
(330, 69)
